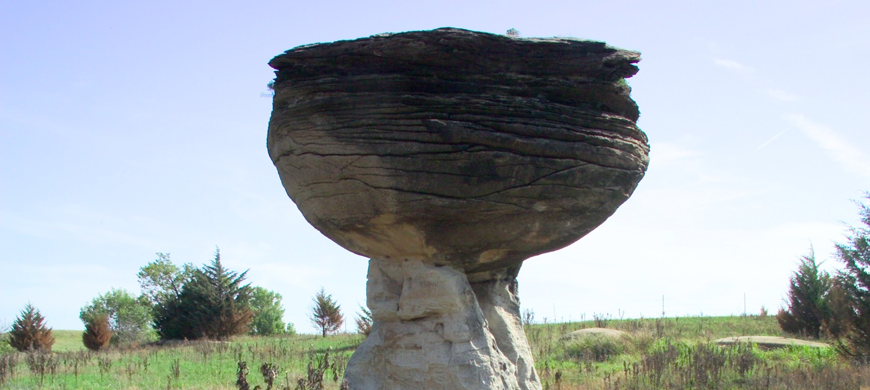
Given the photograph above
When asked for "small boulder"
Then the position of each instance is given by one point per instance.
(597, 332)
(770, 341)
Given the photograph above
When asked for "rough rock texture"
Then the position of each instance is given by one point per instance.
(500, 305)
(457, 147)
(448, 157)
(430, 332)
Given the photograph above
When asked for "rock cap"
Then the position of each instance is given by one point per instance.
(456, 147)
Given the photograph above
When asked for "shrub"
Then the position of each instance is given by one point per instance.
(595, 348)
(97, 333)
(128, 317)
(364, 321)
(29, 331)
(807, 294)
(855, 256)
(4, 338)
(268, 312)
(326, 313)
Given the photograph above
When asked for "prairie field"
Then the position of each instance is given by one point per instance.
(668, 353)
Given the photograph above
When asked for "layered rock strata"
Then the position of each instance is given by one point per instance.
(434, 330)
(448, 157)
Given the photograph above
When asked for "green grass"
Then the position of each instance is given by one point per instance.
(194, 365)
(67, 341)
(679, 353)
(675, 353)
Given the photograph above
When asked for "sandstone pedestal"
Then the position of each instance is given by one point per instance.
(435, 330)
(448, 157)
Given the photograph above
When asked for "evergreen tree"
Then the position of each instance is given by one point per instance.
(807, 294)
(171, 322)
(855, 256)
(364, 321)
(326, 313)
(29, 331)
(212, 304)
(97, 333)
(840, 308)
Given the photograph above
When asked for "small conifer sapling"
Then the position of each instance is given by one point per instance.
(97, 333)
(326, 313)
(29, 331)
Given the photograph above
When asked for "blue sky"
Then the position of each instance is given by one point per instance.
(129, 128)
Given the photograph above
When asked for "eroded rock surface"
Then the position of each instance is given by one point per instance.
(429, 333)
(448, 157)
(457, 147)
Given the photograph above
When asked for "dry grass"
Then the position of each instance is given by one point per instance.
(673, 353)
(182, 365)
(678, 353)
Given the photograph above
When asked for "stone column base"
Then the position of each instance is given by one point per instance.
(433, 330)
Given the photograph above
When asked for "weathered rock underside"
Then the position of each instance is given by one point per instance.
(448, 157)
(457, 147)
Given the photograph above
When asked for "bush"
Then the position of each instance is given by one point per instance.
(807, 299)
(268, 312)
(29, 331)
(595, 348)
(326, 313)
(4, 338)
(364, 321)
(128, 317)
(97, 333)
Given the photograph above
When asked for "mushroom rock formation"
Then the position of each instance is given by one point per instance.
(448, 157)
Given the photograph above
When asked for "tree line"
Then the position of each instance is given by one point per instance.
(181, 303)
(834, 306)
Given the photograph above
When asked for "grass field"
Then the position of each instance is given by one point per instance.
(67, 341)
(671, 353)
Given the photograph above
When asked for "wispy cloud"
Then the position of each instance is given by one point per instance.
(770, 140)
(780, 95)
(731, 64)
(839, 150)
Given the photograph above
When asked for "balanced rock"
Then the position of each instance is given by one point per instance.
(449, 157)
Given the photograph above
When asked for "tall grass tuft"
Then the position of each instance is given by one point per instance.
(595, 348)
(41, 362)
(7, 367)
